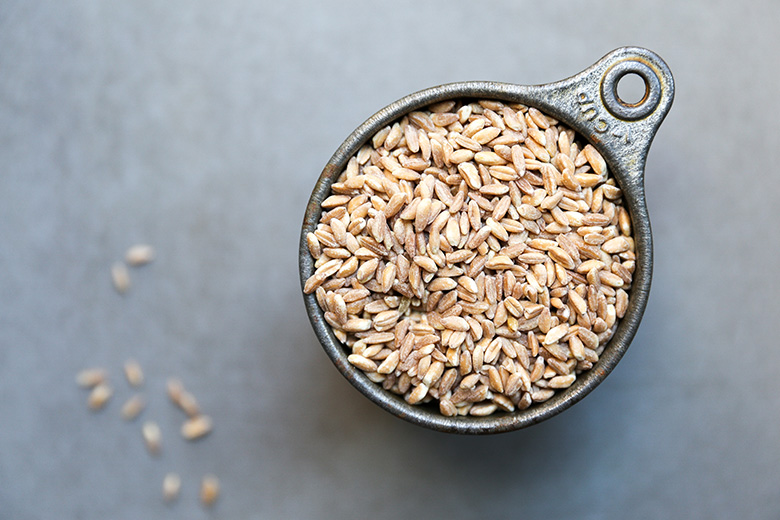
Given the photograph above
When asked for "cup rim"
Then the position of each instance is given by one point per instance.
(628, 177)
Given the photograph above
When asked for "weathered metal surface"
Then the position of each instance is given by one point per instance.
(622, 132)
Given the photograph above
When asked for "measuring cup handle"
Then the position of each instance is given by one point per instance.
(626, 130)
(590, 103)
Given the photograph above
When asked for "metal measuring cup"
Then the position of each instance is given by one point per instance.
(622, 132)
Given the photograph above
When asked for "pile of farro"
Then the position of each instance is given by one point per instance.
(474, 254)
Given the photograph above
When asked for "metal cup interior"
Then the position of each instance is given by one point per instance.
(589, 104)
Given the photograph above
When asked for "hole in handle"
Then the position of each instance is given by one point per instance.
(631, 89)
(621, 108)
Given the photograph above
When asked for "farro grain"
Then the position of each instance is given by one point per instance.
(99, 396)
(133, 408)
(133, 373)
(483, 409)
(418, 394)
(152, 437)
(188, 404)
(174, 388)
(120, 277)
(616, 245)
(362, 363)
(447, 408)
(564, 381)
(209, 490)
(139, 254)
(90, 377)
(171, 487)
(196, 427)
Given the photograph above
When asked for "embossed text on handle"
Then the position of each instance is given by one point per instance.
(592, 113)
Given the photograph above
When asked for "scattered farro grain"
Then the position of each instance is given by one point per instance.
(120, 277)
(171, 487)
(139, 255)
(133, 373)
(189, 404)
(133, 407)
(152, 437)
(175, 389)
(481, 262)
(99, 396)
(183, 399)
(90, 377)
(196, 427)
(209, 490)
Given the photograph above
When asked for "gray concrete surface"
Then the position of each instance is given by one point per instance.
(200, 128)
